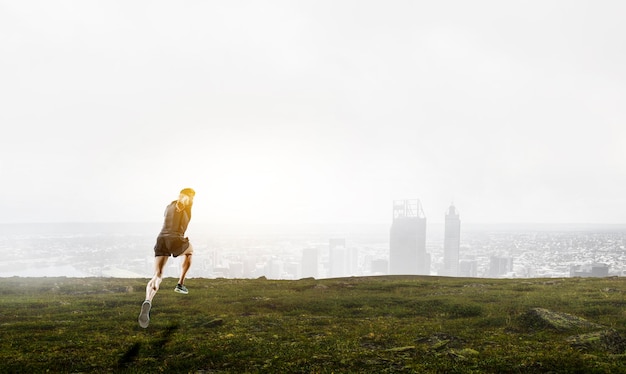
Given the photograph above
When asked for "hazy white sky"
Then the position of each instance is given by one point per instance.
(313, 111)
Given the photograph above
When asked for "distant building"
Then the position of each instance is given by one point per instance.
(468, 268)
(590, 271)
(235, 270)
(290, 270)
(310, 261)
(451, 243)
(337, 258)
(274, 268)
(499, 266)
(379, 266)
(249, 267)
(353, 266)
(407, 247)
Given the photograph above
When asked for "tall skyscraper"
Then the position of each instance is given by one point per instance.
(407, 245)
(451, 243)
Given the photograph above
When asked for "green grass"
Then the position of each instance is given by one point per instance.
(348, 325)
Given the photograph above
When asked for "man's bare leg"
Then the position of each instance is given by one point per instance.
(155, 282)
(180, 288)
(151, 290)
(185, 268)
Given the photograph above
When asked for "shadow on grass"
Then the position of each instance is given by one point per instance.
(129, 356)
(132, 353)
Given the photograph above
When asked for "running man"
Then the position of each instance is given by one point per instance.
(170, 242)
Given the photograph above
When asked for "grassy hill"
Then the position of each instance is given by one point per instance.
(390, 324)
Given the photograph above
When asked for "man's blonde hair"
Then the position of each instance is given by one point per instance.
(188, 191)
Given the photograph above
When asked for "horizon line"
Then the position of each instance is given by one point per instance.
(522, 223)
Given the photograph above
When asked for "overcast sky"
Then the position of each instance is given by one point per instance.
(313, 111)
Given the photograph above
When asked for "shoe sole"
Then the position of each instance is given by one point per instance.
(181, 291)
(144, 316)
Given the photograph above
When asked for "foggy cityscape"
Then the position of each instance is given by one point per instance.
(286, 115)
(321, 251)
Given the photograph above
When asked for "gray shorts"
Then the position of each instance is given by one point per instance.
(170, 246)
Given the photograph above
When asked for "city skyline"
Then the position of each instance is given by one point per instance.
(110, 250)
(288, 112)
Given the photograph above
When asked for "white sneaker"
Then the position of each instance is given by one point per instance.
(144, 316)
(180, 288)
